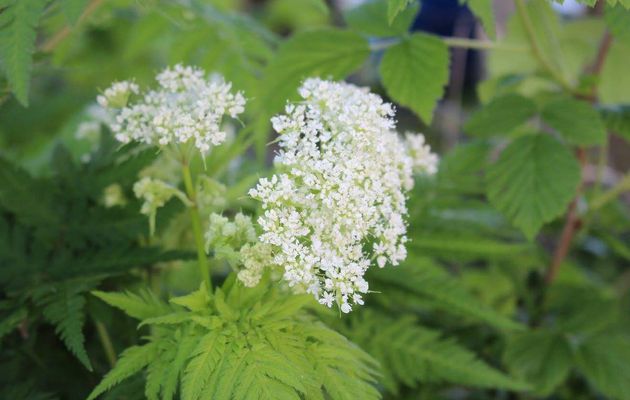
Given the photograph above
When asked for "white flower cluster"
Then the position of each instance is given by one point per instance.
(338, 200)
(187, 106)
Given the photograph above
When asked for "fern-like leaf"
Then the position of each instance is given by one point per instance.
(131, 361)
(18, 32)
(65, 311)
(410, 354)
(140, 306)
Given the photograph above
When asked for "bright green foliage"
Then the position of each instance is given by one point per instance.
(483, 9)
(371, 18)
(415, 71)
(395, 7)
(330, 53)
(575, 120)
(399, 343)
(542, 358)
(603, 360)
(501, 116)
(18, 31)
(533, 181)
(243, 344)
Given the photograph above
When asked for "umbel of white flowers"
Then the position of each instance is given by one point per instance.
(187, 106)
(337, 202)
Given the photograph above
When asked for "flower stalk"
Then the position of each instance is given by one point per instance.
(202, 259)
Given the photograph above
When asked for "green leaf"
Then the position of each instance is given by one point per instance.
(140, 306)
(65, 312)
(614, 82)
(617, 120)
(577, 121)
(73, 9)
(415, 71)
(501, 116)
(533, 181)
(371, 18)
(483, 9)
(11, 321)
(131, 361)
(395, 7)
(411, 354)
(18, 32)
(541, 358)
(430, 283)
(326, 53)
(605, 362)
(618, 21)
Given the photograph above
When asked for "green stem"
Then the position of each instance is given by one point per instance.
(481, 44)
(622, 186)
(521, 9)
(106, 343)
(196, 225)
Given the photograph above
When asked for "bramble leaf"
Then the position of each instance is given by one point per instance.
(415, 71)
(533, 181)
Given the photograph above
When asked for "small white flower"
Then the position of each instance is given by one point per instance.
(187, 107)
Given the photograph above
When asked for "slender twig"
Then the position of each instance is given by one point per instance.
(573, 221)
(521, 10)
(196, 225)
(571, 224)
(106, 343)
(378, 45)
(50, 44)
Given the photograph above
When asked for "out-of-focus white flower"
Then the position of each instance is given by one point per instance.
(113, 196)
(155, 194)
(338, 200)
(223, 232)
(186, 107)
(424, 161)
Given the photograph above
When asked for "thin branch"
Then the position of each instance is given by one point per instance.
(571, 225)
(481, 44)
(50, 44)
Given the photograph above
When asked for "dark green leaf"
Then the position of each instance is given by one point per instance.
(501, 116)
(577, 121)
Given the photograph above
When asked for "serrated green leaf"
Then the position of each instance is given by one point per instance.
(614, 82)
(140, 306)
(371, 18)
(17, 43)
(501, 116)
(533, 181)
(395, 7)
(73, 9)
(131, 361)
(65, 312)
(541, 358)
(411, 354)
(577, 121)
(605, 362)
(415, 71)
(429, 282)
(326, 53)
